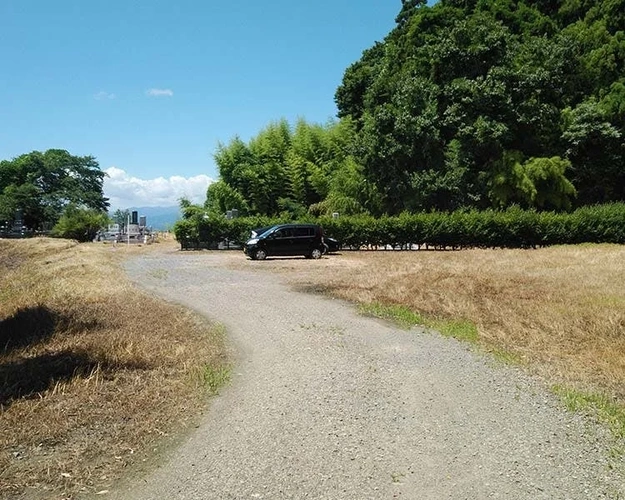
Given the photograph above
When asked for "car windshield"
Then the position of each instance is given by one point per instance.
(261, 230)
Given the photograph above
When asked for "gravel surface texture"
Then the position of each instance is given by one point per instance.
(327, 404)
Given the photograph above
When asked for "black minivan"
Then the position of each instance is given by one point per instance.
(287, 239)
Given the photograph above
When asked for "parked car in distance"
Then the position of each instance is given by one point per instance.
(287, 239)
(332, 244)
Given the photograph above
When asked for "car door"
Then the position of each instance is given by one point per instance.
(301, 237)
(282, 241)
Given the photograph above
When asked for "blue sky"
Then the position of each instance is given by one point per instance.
(149, 87)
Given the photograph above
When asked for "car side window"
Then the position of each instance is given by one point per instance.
(303, 231)
(285, 232)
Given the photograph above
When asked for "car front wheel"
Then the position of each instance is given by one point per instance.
(260, 254)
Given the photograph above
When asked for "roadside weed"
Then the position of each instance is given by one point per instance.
(400, 315)
(601, 406)
(505, 356)
(406, 318)
(458, 329)
(212, 378)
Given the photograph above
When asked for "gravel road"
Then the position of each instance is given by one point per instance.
(327, 404)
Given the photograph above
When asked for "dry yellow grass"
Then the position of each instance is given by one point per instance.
(560, 310)
(94, 375)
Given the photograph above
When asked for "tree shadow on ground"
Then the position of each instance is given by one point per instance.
(32, 325)
(27, 377)
(26, 327)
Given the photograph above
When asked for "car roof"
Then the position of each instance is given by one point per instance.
(296, 225)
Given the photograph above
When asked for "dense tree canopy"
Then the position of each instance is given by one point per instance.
(486, 102)
(42, 185)
(464, 104)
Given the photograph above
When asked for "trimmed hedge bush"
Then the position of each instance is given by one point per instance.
(512, 228)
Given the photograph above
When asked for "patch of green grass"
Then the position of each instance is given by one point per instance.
(400, 315)
(458, 329)
(504, 356)
(405, 318)
(214, 377)
(601, 406)
(219, 330)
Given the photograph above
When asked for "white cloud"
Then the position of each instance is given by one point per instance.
(125, 191)
(100, 96)
(159, 92)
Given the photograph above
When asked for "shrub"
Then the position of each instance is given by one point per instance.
(511, 228)
(81, 224)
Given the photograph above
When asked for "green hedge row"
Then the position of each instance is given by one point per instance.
(512, 228)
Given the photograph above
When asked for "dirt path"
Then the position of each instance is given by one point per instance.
(325, 403)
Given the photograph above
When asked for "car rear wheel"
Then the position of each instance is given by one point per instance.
(316, 253)
(260, 254)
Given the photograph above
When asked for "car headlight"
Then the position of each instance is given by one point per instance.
(253, 241)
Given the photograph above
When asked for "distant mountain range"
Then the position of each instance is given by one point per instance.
(159, 218)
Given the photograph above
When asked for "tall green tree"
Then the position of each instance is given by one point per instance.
(221, 197)
(458, 88)
(121, 216)
(291, 171)
(44, 184)
(596, 150)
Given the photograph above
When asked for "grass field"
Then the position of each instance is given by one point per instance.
(558, 311)
(94, 375)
